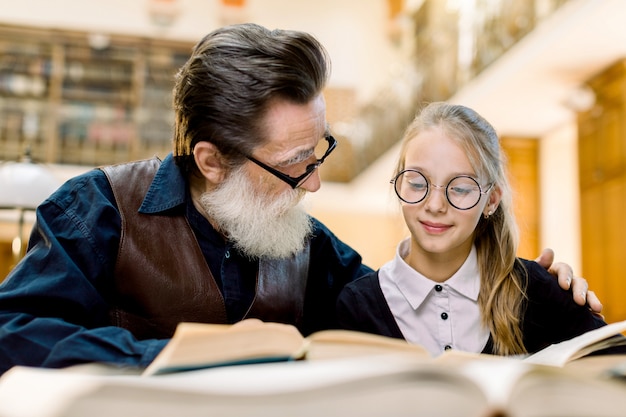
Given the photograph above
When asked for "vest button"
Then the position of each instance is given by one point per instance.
(444, 316)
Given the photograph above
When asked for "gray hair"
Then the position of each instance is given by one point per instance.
(223, 91)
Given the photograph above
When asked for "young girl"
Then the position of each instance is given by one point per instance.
(456, 282)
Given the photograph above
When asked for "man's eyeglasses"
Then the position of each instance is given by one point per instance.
(463, 192)
(295, 182)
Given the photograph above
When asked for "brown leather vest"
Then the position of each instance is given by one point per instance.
(162, 277)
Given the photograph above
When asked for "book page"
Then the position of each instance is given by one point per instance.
(197, 345)
(411, 391)
(53, 390)
(367, 386)
(559, 354)
(598, 365)
(548, 391)
(346, 343)
(496, 377)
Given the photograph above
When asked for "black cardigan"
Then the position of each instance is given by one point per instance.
(550, 314)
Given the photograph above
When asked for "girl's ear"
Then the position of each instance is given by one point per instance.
(495, 195)
(210, 162)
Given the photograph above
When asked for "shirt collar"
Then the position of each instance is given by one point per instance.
(415, 287)
(466, 281)
(168, 189)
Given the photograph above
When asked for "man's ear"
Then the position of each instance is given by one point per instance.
(210, 162)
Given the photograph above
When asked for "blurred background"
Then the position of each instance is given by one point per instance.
(86, 83)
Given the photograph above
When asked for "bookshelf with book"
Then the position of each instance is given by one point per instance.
(79, 98)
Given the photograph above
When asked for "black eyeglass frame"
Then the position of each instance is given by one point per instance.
(428, 187)
(295, 182)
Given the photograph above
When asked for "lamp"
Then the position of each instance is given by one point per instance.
(580, 99)
(23, 186)
(163, 13)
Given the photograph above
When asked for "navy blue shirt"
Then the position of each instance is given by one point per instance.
(53, 309)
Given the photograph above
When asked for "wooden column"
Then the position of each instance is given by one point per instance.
(602, 160)
(523, 163)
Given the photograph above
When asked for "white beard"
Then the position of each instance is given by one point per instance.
(259, 226)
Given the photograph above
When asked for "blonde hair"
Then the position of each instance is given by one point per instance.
(502, 287)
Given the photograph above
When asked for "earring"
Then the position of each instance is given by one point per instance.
(489, 213)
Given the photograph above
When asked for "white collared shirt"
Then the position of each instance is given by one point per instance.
(435, 315)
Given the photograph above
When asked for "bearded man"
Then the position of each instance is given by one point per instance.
(213, 233)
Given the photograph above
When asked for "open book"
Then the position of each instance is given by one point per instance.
(366, 374)
(367, 386)
(560, 354)
(200, 345)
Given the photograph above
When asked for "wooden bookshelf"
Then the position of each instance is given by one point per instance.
(72, 103)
